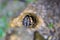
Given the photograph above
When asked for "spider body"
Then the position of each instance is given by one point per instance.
(27, 21)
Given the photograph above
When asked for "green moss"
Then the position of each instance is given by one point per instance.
(2, 33)
(29, 1)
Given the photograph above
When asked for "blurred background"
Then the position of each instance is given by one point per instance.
(10, 9)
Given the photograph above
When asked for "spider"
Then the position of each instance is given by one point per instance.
(28, 21)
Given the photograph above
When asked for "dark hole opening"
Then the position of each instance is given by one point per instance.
(33, 17)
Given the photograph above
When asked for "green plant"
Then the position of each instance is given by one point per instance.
(50, 25)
